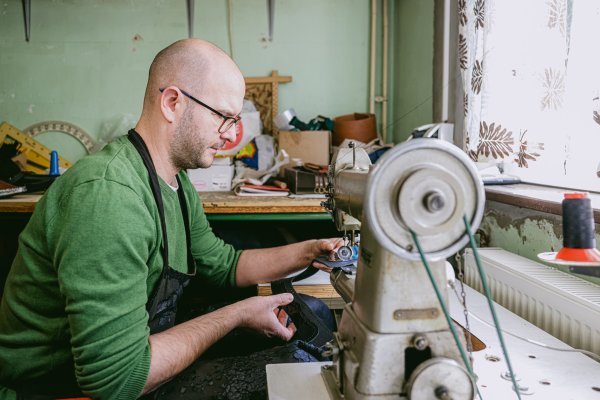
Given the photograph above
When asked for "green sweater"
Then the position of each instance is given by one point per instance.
(86, 265)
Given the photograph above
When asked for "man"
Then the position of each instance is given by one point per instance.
(89, 303)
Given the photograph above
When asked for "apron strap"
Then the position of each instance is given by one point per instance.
(188, 237)
(140, 146)
(142, 149)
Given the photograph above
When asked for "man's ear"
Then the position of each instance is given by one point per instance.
(171, 103)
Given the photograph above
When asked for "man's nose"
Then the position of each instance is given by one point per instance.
(229, 134)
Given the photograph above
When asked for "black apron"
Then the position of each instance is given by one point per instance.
(161, 305)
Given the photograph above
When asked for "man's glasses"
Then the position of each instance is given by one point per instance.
(228, 121)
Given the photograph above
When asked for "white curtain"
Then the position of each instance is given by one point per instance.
(531, 82)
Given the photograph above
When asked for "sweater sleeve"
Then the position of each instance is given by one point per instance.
(103, 235)
(216, 260)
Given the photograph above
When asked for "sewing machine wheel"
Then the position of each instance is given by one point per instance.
(438, 185)
(440, 378)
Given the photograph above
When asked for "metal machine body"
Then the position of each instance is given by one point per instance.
(393, 339)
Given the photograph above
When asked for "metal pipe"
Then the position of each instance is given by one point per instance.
(342, 284)
(373, 53)
(271, 12)
(441, 61)
(384, 78)
(190, 17)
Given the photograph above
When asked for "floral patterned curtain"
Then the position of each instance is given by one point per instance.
(531, 83)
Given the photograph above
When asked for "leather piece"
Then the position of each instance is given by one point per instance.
(310, 328)
(348, 266)
(234, 368)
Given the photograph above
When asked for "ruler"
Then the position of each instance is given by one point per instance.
(37, 155)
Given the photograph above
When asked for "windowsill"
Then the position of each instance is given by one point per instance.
(535, 197)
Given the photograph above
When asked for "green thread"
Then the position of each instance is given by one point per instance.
(463, 354)
(488, 296)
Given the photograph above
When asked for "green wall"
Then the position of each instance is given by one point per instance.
(87, 60)
(413, 66)
(524, 232)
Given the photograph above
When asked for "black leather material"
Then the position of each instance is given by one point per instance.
(11, 173)
(348, 266)
(234, 368)
(33, 182)
(233, 378)
(309, 327)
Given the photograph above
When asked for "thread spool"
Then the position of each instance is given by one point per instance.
(579, 238)
(54, 171)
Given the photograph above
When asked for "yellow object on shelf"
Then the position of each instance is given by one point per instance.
(36, 156)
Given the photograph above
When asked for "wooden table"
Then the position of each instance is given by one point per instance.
(322, 291)
(225, 206)
(215, 203)
(20, 203)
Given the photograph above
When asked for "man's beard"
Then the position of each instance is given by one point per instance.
(189, 150)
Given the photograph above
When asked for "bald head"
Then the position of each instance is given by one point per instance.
(203, 89)
(193, 65)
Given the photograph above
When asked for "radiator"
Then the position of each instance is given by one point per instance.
(563, 305)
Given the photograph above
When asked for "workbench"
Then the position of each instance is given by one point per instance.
(215, 203)
(272, 221)
(228, 206)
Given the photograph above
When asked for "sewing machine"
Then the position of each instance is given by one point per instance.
(393, 340)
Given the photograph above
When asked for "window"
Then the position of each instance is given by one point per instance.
(531, 84)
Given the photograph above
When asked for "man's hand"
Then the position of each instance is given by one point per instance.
(326, 248)
(262, 314)
(267, 265)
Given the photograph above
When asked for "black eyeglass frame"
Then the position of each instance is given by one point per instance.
(226, 118)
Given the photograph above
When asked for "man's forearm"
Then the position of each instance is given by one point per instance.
(265, 265)
(175, 349)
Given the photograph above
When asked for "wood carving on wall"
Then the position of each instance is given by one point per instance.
(264, 92)
(261, 94)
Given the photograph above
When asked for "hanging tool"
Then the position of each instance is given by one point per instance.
(271, 12)
(27, 17)
(190, 16)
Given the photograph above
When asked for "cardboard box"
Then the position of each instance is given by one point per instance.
(309, 146)
(216, 178)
